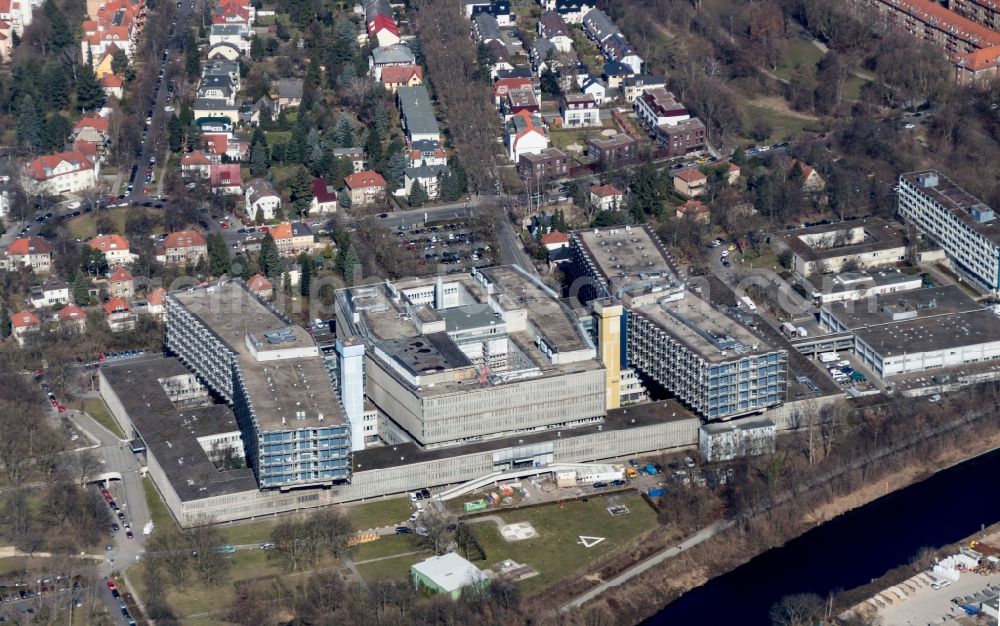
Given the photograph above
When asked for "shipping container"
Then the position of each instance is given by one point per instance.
(478, 505)
(789, 330)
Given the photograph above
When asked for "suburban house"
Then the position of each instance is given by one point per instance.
(426, 152)
(520, 100)
(91, 129)
(416, 114)
(619, 50)
(64, 172)
(549, 164)
(682, 137)
(693, 210)
(113, 86)
(607, 197)
(324, 197)
(554, 240)
(501, 58)
(502, 85)
(595, 87)
(225, 179)
(552, 27)
(237, 35)
(812, 182)
(524, 134)
(114, 247)
(428, 177)
(154, 304)
(545, 56)
(72, 319)
(33, 252)
(121, 283)
(690, 182)
(183, 247)
(398, 76)
(571, 10)
(24, 326)
(615, 74)
(119, 315)
(293, 238)
(50, 293)
(635, 86)
(658, 106)
(16, 15)
(579, 111)
(196, 164)
(613, 151)
(364, 188)
(261, 197)
(210, 107)
(486, 29)
(224, 50)
(355, 155)
(290, 92)
(382, 31)
(599, 27)
(218, 87)
(260, 286)
(387, 56)
(500, 9)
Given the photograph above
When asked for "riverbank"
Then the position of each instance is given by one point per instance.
(852, 598)
(641, 598)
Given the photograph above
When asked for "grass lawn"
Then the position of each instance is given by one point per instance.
(556, 552)
(563, 138)
(13, 565)
(389, 545)
(86, 224)
(250, 532)
(798, 53)
(157, 509)
(389, 569)
(766, 259)
(783, 127)
(379, 513)
(852, 89)
(96, 408)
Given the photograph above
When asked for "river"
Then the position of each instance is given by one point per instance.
(849, 550)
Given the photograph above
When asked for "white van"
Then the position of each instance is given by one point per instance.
(940, 583)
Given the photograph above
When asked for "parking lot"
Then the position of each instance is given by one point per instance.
(929, 606)
(453, 245)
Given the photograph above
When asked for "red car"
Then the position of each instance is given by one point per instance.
(111, 585)
(264, 229)
(223, 225)
(62, 408)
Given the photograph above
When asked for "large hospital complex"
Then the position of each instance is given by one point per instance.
(438, 381)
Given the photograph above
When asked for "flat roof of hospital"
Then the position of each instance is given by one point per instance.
(281, 390)
(629, 258)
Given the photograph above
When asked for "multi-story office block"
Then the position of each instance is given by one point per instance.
(293, 427)
(697, 352)
(964, 227)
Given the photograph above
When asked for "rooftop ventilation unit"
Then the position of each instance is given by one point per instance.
(279, 335)
(928, 179)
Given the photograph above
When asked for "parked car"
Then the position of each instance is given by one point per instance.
(600, 485)
(403, 530)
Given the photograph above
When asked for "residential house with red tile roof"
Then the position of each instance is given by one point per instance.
(183, 247)
(226, 179)
(690, 182)
(154, 304)
(118, 314)
(554, 240)
(396, 76)
(64, 172)
(114, 247)
(382, 31)
(524, 134)
(196, 163)
(693, 210)
(121, 283)
(117, 23)
(607, 197)
(6, 41)
(260, 285)
(293, 238)
(72, 319)
(33, 252)
(92, 129)
(364, 188)
(113, 86)
(25, 326)
(812, 182)
(17, 15)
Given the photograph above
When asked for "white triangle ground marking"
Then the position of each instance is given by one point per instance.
(589, 542)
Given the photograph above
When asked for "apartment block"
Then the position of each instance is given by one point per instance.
(964, 227)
